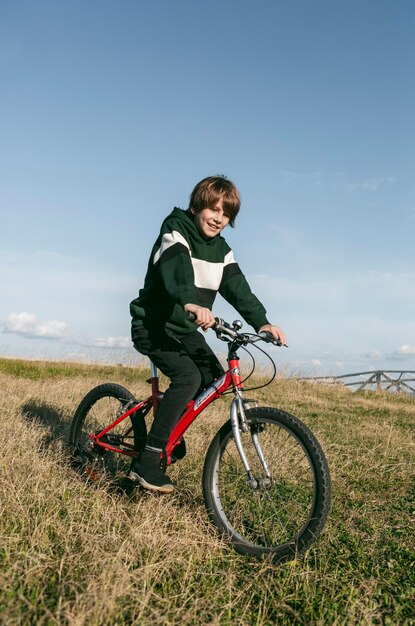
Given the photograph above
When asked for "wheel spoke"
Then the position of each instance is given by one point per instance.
(100, 408)
(280, 516)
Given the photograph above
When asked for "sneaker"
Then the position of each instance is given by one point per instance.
(148, 473)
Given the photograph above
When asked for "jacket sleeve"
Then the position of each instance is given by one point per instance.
(235, 289)
(174, 265)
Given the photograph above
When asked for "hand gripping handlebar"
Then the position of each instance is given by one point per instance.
(223, 328)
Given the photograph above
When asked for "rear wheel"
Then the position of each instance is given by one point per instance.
(281, 511)
(98, 409)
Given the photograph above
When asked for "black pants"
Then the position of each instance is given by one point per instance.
(189, 363)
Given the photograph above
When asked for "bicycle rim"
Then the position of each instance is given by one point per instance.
(98, 410)
(287, 509)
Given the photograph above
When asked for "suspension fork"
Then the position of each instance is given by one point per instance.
(239, 423)
(260, 454)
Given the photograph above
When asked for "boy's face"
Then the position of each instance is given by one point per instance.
(212, 220)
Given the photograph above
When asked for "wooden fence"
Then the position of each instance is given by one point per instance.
(387, 380)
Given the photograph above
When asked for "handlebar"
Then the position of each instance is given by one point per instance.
(223, 328)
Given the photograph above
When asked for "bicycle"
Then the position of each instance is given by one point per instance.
(266, 481)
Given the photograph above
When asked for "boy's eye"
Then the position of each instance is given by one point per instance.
(215, 209)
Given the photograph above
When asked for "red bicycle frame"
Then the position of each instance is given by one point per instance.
(231, 378)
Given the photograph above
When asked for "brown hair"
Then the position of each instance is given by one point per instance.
(209, 191)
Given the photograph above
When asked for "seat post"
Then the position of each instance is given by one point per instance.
(154, 371)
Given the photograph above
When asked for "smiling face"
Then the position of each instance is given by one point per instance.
(211, 220)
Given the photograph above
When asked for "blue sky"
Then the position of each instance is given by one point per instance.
(110, 112)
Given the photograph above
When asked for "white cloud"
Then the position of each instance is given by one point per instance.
(373, 354)
(111, 342)
(28, 325)
(316, 362)
(372, 184)
(360, 318)
(406, 349)
(72, 289)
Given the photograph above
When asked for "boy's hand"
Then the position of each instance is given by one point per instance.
(204, 316)
(276, 332)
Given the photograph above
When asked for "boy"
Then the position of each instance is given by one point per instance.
(189, 264)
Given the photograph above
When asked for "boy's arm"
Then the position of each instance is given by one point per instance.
(238, 293)
(236, 290)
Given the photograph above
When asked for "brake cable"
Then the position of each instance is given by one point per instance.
(253, 365)
(274, 373)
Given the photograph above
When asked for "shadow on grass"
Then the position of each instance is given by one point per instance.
(58, 425)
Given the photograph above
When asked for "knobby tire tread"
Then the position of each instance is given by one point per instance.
(81, 459)
(112, 390)
(323, 485)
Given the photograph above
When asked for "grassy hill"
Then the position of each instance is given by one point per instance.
(73, 552)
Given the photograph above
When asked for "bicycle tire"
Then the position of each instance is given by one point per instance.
(98, 409)
(281, 519)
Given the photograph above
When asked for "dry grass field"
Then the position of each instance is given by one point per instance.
(78, 553)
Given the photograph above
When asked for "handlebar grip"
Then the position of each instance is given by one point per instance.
(266, 336)
(190, 316)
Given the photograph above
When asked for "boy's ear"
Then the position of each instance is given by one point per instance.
(192, 210)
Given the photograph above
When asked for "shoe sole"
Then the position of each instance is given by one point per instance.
(158, 488)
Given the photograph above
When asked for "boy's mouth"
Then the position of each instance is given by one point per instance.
(213, 226)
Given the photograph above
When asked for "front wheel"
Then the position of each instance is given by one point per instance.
(282, 508)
